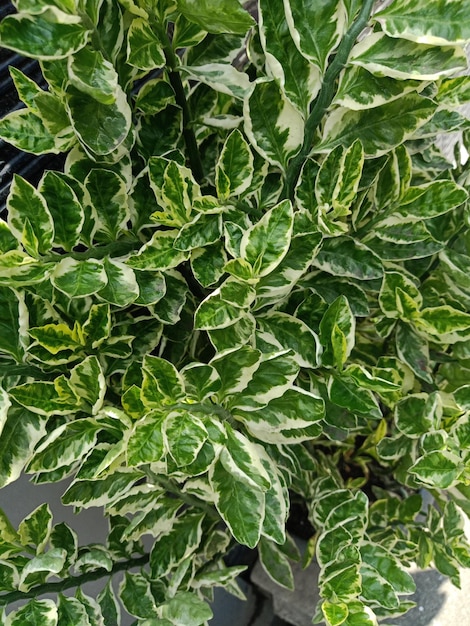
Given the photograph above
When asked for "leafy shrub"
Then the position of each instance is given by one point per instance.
(249, 286)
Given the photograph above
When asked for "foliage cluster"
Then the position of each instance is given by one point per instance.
(249, 286)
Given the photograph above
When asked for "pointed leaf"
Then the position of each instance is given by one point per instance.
(64, 207)
(79, 278)
(266, 243)
(436, 22)
(106, 193)
(44, 36)
(217, 16)
(25, 203)
(299, 79)
(241, 508)
(91, 73)
(402, 59)
(273, 125)
(379, 129)
(285, 332)
(144, 49)
(234, 169)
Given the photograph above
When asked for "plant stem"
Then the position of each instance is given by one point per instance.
(325, 97)
(177, 84)
(73, 581)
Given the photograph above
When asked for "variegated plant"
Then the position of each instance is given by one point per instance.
(249, 285)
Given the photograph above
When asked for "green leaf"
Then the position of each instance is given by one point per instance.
(200, 380)
(285, 332)
(376, 589)
(359, 89)
(64, 208)
(334, 613)
(234, 169)
(144, 49)
(79, 278)
(184, 435)
(454, 91)
(345, 392)
(136, 596)
(418, 414)
(293, 417)
(276, 564)
(413, 350)
(217, 16)
(236, 369)
(92, 493)
(121, 288)
(46, 398)
(72, 612)
(92, 74)
(49, 563)
(215, 313)
(436, 22)
(41, 612)
(55, 338)
(158, 253)
(344, 256)
(204, 230)
(175, 189)
(107, 196)
(88, 382)
(27, 132)
(274, 127)
(266, 243)
(27, 89)
(20, 435)
(49, 35)
(317, 29)
(337, 333)
(234, 336)
(242, 458)
(109, 606)
(241, 507)
(97, 327)
(25, 203)
(379, 129)
(162, 383)
(299, 80)
(63, 537)
(279, 283)
(388, 567)
(65, 445)
(9, 577)
(440, 469)
(145, 443)
(399, 297)
(402, 59)
(36, 528)
(151, 287)
(221, 77)
(13, 318)
(338, 179)
(111, 122)
(154, 96)
(444, 323)
(431, 200)
(168, 309)
(186, 609)
(171, 549)
(207, 263)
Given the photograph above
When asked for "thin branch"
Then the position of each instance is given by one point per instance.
(325, 97)
(73, 581)
(177, 84)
